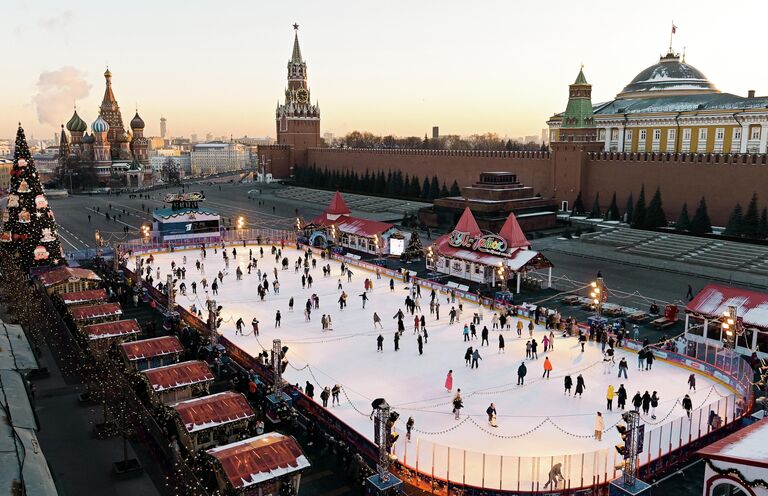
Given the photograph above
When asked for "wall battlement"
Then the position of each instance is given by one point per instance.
(530, 155)
(681, 158)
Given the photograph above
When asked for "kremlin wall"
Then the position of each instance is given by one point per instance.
(669, 128)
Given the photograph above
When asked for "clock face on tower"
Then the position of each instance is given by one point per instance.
(302, 95)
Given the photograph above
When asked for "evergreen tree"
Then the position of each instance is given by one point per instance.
(578, 206)
(444, 191)
(762, 227)
(381, 183)
(654, 216)
(390, 188)
(434, 188)
(751, 221)
(683, 222)
(29, 230)
(366, 184)
(415, 188)
(455, 190)
(700, 224)
(735, 222)
(613, 210)
(595, 212)
(425, 143)
(629, 210)
(414, 249)
(425, 192)
(509, 146)
(638, 215)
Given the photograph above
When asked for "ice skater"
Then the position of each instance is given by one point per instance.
(468, 356)
(278, 318)
(521, 371)
(377, 321)
(410, 422)
(623, 366)
(646, 402)
(491, 412)
(420, 343)
(555, 476)
(397, 341)
(687, 405)
(335, 395)
(580, 386)
(621, 397)
(599, 426)
(637, 401)
(484, 336)
(547, 368)
(609, 398)
(475, 357)
(364, 297)
(568, 383)
(692, 382)
(239, 326)
(458, 404)
(255, 326)
(380, 343)
(654, 404)
(501, 343)
(449, 381)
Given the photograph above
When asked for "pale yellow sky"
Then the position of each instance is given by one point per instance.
(396, 67)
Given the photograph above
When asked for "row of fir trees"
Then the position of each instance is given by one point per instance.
(752, 223)
(392, 183)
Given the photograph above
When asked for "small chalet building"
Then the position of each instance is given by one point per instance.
(259, 466)
(363, 235)
(212, 420)
(69, 279)
(736, 463)
(95, 314)
(80, 298)
(178, 382)
(704, 314)
(102, 336)
(151, 353)
(475, 256)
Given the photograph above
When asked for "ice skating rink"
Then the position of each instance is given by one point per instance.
(534, 420)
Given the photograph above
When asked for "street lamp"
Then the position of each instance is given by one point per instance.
(728, 326)
(145, 233)
(240, 225)
(502, 272)
(598, 295)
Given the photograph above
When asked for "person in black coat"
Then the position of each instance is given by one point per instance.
(484, 336)
(397, 341)
(621, 397)
(649, 358)
(521, 371)
(580, 386)
(568, 384)
(380, 343)
(646, 403)
(637, 400)
(468, 356)
(420, 343)
(687, 405)
(309, 390)
(501, 343)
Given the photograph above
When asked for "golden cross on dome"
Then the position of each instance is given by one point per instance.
(295, 26)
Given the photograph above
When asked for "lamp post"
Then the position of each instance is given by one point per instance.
(99, 241)
(431, 260)
(729, 327)
(240, 226)
(501, 270)
(598, 295)
(145, 233)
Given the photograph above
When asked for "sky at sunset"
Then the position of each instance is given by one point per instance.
(389, 67)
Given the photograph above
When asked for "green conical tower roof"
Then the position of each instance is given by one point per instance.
(578, 113)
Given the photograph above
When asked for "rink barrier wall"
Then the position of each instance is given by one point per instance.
(443, 470)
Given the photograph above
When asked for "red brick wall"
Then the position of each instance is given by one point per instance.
(278, 159)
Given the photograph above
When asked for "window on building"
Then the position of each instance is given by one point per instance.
(642, 135)
(601, 135)
(755, 133)
(736, 133)
(703, 134)
(656, 134)
(687, 134)
(670, 135)
(719, 134)
(628, 136)
(614, 134)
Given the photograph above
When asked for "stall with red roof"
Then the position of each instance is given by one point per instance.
(215, 419)
(177, 382)
(473, 255)
(704, 316)
(335, 226)
(154, 352)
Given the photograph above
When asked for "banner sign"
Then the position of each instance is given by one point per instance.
(192, 196)
(488, 243)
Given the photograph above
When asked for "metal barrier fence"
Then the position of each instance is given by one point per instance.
(447, 470)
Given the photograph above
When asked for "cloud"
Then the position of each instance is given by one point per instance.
(57, 92)
(61, 20)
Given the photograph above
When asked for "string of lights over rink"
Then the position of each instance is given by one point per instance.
(541, 419)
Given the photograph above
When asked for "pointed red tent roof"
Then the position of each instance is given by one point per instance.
(513, 234)
(338, 206)
(467, 223)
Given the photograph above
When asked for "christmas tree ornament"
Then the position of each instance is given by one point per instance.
(24, 216)
(41, 253)
(47, 236)
(41, 202)
(6, 216)
(6, 237)
(23, 187)
(22, 162)
(13, 201)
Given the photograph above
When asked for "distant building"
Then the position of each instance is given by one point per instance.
(163, 127)
(435, 132)
(156, 142)
(254, 141)
(545, 136)
(208, 136)
(183, 144)
(5, 174)
(328, 138)
(182, 162)
(218, 156)
(194, 138)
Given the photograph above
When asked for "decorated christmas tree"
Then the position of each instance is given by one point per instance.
(29, 229)
(414, 249)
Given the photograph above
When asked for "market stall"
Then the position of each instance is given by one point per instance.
(177, 382)
(151, 353)
(212, 420)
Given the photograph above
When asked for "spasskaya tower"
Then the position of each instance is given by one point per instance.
(298, 120)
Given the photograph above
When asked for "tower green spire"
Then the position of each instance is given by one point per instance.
(578, 113)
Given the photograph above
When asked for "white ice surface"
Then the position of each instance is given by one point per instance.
(413, 384)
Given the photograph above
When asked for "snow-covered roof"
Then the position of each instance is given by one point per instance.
(714, 299)
(178, 375)
(149, 348)
(260, 459)
(15, 350)
(748, 446)
(95, 311)
(89, 295)
(354, 225)
(63, 274)
(213, 410)
(112, 329)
